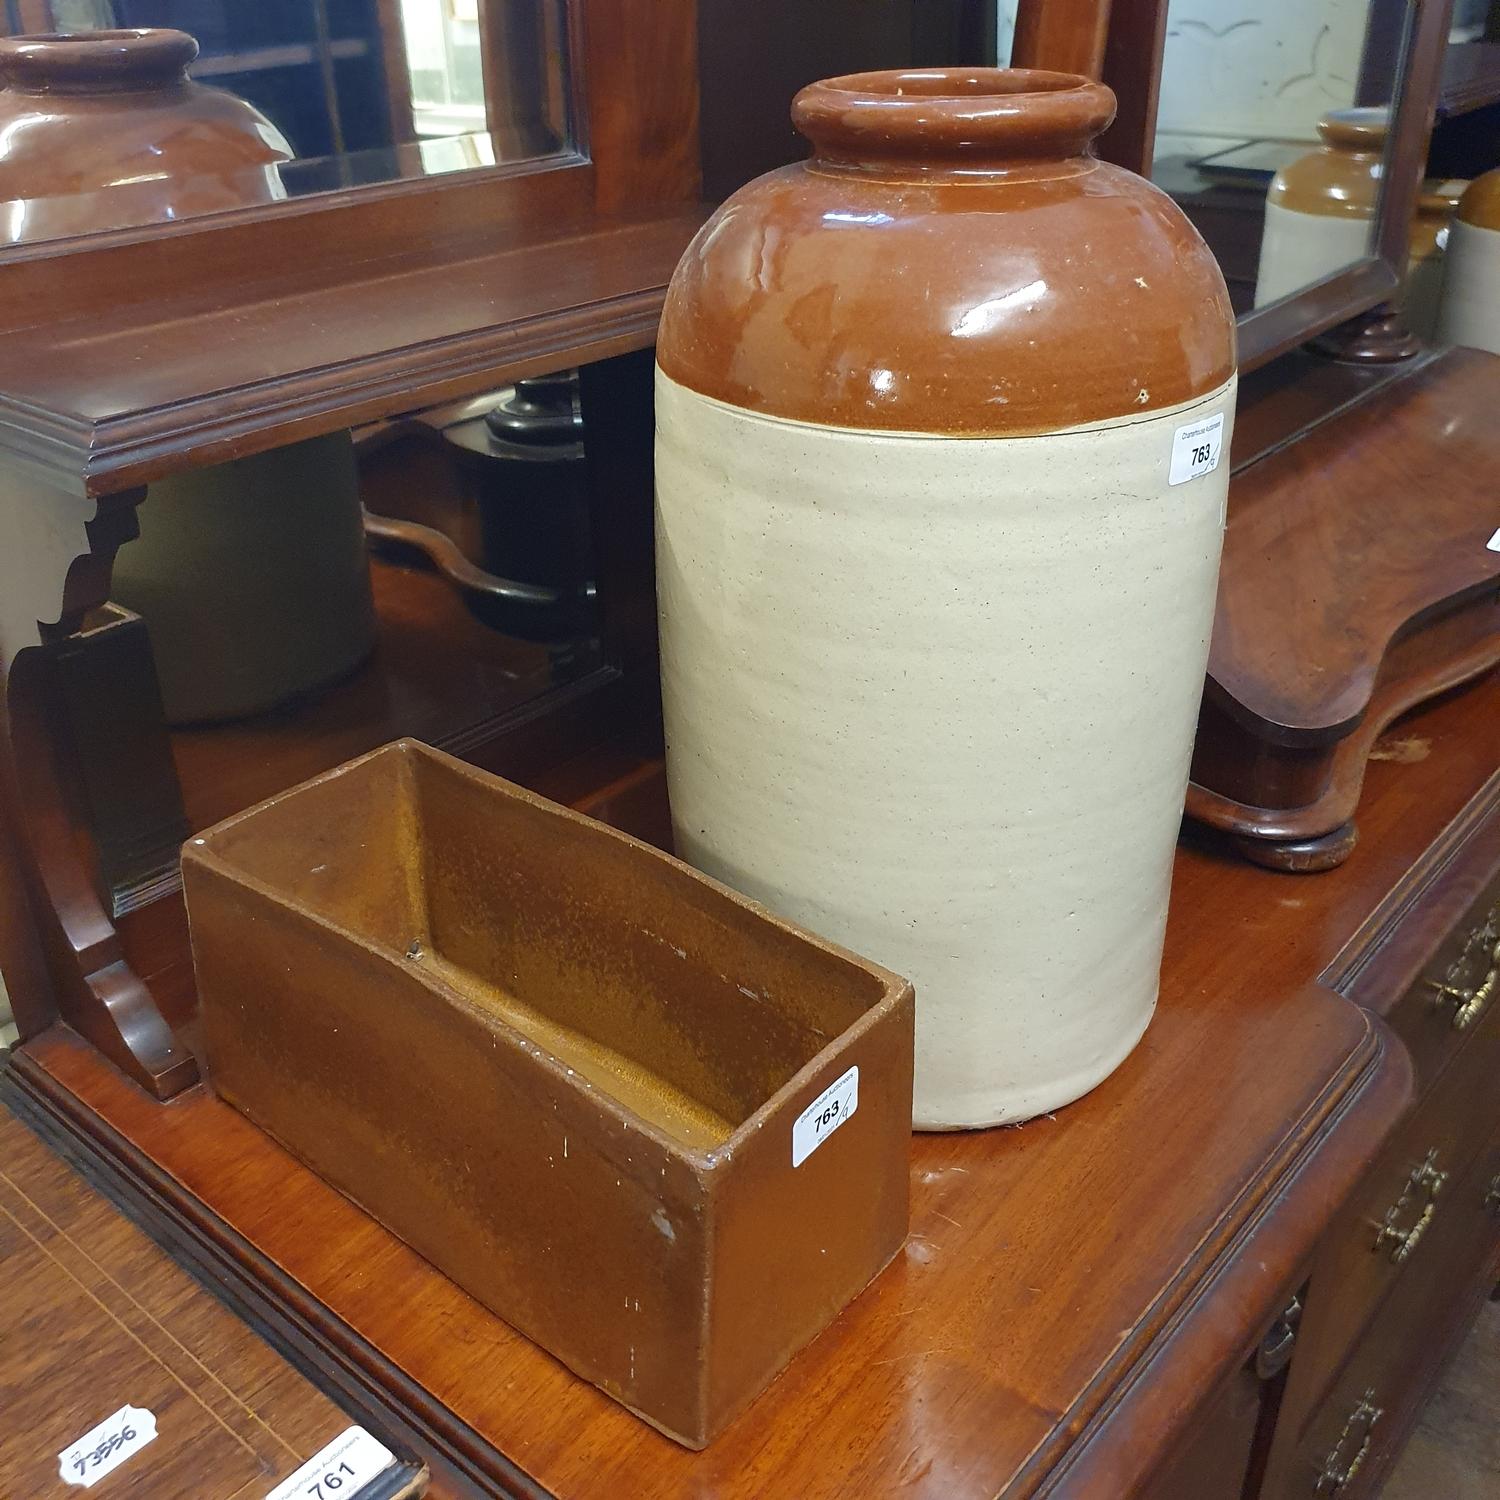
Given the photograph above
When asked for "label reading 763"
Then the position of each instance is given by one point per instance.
(1196, 448)
(824, 1115)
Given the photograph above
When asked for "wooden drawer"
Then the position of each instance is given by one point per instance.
(1348, 1443)
(1426, 959)
(1212, 1463)
(1389, 1229)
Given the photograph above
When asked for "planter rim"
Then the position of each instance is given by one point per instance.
(703, 1159)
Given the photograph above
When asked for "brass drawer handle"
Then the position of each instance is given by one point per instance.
(1469, 1004)
(1338, 1473)
(1425, 1179)
(1492, 1195)
(1403, 1242)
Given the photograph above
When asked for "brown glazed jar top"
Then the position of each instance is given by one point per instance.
(1480, 204)
(950, 259)
(102, 129)
(96, 62)
(1341, 177)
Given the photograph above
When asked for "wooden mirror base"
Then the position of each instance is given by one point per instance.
(1377, 337)
(1357, 583)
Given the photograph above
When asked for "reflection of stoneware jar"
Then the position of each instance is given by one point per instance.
(935, 580)
(1430, 228)
(251, 576)
(1319, 209)
(1471, 288)
(104, 129)
(252, 579)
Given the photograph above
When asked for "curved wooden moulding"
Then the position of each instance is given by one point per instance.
(1357, 583)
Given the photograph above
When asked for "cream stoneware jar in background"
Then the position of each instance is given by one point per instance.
(943, 422)
(1471, 284)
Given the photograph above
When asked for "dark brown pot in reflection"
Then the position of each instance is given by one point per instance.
(940, 495)
(104, 130)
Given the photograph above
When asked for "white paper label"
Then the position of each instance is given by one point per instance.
(340, 1471)
(1494, 542)
(1196, 449)
(824, 1115)
(102, 1449)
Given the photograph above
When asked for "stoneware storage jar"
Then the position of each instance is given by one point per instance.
(1471, 284)
(104, 129)
(1319, 209)
(252, 578)
(943, 421)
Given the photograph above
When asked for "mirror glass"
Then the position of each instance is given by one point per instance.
(1272, 136)
(282, 98)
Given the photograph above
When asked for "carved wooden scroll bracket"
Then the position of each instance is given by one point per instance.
(56, 552)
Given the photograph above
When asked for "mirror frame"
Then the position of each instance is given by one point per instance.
(1122, 42)
(632, 116)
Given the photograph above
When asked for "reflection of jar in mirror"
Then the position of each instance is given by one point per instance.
(1471, 288)
(1319, 209)
(1430, 228)
(105, 130)
(943, 419)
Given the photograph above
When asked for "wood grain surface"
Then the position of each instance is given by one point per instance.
(1073, 1290)
(1338, 543)
(1356, 583)
(93, 1316)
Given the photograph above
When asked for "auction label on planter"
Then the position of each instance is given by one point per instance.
(102, 1449)
(1196, 449)
(824, 1115)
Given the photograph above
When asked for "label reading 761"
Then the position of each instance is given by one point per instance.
(824, 1115)
(339, 1471)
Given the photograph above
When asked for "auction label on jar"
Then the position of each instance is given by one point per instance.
(339, 1471)
(102, 1449)
(1196, 449)
(824, 1115)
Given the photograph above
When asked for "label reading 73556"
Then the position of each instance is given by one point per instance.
(824, 1115)
(104, 1448)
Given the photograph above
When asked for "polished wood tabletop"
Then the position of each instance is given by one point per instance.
(1070, 1290)
(93, 1317)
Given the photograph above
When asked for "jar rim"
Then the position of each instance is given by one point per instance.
(110, 60)
(960, 117)
(1361, 127)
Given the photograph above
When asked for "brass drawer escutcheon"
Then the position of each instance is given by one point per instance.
(1339, 1471)
(1424, 1184)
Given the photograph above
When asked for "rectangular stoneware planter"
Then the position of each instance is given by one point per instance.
(659, 1131)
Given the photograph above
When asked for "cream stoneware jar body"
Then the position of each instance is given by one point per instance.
(1470, 312)
(934, 613)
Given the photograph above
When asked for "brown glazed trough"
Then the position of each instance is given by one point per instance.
(566, 1068)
